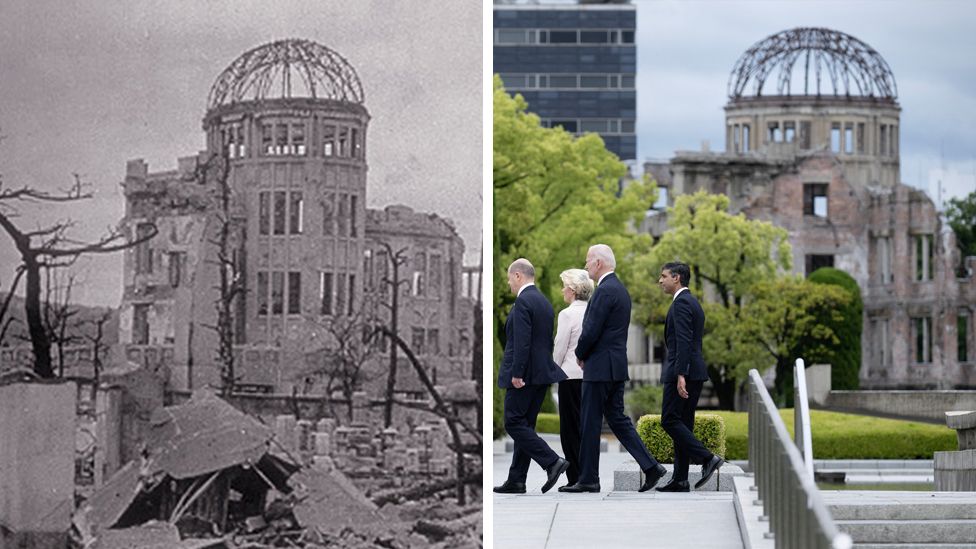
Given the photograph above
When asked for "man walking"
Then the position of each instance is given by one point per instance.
(683, 375)
(527, 371)
(602, 353)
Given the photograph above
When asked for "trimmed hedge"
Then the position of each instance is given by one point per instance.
(709, 429)
(547, 423)
(849, 436)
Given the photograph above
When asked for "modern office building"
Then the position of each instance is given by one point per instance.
(575, 64)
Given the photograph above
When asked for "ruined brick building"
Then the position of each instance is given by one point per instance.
(286, 136)
(812, 145)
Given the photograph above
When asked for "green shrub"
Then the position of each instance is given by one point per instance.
(547, 423)
(644, 400)
(845, 357)
(849, 436)
(709, 429)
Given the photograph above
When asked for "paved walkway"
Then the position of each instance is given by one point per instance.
(620, 520)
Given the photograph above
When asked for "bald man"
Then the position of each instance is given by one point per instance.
(527, 371)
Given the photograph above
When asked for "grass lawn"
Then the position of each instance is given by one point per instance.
(835, 435)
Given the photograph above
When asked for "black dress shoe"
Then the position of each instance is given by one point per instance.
(708, 468)
(675, 486)
(652, 476)
(509, 487)
(554, 471)
(580, 488)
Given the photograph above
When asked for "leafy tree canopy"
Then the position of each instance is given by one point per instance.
(961, 213)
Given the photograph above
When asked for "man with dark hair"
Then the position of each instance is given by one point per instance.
(527, 371)
(683, 375)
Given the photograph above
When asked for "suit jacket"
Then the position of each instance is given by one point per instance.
(602, 345)
(683, 329)
(570, 323)
(528, 342)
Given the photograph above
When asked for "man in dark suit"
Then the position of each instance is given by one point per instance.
(683, 374)
(602, 353)
(527, 371)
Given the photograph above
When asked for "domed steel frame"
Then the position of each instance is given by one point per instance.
(286, 69)
(853, 68)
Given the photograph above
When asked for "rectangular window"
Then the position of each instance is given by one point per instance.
(562, 37)
(328, 140)
(881, 340)
(351, 300)
(369, 279)
(860, 138)
(626, 126)
(962, 338)
(280, 203)
(835, 137)
(277, 293)
(922, 326)
(883, 246)
(804, 134)
(435, 275)
(433, 341)
(295, 213)
(343, 143)
(343, 220)
(264, 212)
(773, 135)
(340, 301)
(590, 81)
(353, 206)
(357, 146)
(511, 36)
(176, 268)
(419, 268)
(281, 139)
(328, 215)
(627, 81)
(140, 324)
(735, 138)
(562, 81)
(627, 37)
(417, 340)
(789, 132)
(894, 140)
(262, 294)
(298, 139)
(595, 126)
(849, 138)
(816, 261)
(382, 271)
(294, 293)
(144, 252)
(267, 138)
(745, 138)
(923, 257)
(325, 293)
(883, 143)
(594, 37)
(815, 199)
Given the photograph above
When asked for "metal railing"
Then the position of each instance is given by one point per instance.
(801, 416)
(798, 517)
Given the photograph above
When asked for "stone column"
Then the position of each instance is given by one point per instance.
(956, 471)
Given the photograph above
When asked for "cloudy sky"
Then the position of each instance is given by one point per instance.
(686, 50)
(86, 86)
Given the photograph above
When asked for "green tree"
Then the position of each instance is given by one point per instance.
(845, 357)
(727, 255)
(786, 318)
(961, 213)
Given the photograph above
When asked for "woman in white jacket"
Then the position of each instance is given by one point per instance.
(577, 289)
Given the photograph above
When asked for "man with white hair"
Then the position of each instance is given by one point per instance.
(602, 353)
(527, 371)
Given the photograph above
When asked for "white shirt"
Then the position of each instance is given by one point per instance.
(678, 292)
(527, 284)
(604, 276)
(568, 330)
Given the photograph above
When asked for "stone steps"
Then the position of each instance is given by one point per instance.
(903, 511)
(910, 531)
(628, 477)
(915, 546)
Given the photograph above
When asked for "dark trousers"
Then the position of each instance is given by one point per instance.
(599, 399)
(678, 420)
(570, 393)
(521, 410)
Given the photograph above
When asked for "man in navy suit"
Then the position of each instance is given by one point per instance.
(602, 353)
(527, 371)
(682, 376)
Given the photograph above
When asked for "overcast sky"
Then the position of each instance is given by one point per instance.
(686, 50)
(86, 86)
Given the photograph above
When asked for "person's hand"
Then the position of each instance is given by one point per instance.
(579, 363)
(682, 389)
(517, 382)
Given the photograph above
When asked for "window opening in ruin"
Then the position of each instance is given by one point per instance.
(295, 213)
(433, 341)
(280, 204)
(352, 215)
(340, 301)
(328, 140)
(417, 340)
(923, 339)
(262, 293)
(894, 141)
(351, 301)
(140, 324)
(267, 136)
(789, 132)
(804, 134)
(144, 253)
(835, 137)
(924, 255)
(298, 139)
(860, 138)
(774, 135)
(383, 265)
(745, 138)
(883, 145)
(816, 261)
(435, 275)
(264, 212)
(815, 199)
(883, 246)
(343, 150)
(881, 341)
(277, 292)
(357, 146)
(294, 293)
(419, 268)
(175, 268)
(848, 138)
(735, 138)
(962, 337)
(369, 280)
(343, 219)
(281, 139)
(325, 293)
(328, 215)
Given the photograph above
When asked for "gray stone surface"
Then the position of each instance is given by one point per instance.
(961, 419)
(923, 405)
(628, 477)
(748, 510)
(955, 471)
(910, 531)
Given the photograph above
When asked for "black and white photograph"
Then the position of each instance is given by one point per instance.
(240, 274)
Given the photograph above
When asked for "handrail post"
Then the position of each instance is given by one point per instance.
(801, 416)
